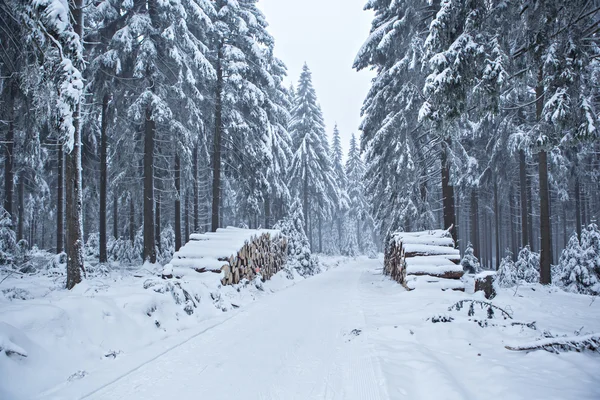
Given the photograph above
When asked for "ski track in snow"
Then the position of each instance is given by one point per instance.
(295, 344)
(352, 334)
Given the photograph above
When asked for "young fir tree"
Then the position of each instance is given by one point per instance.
(575, 273)
(299, 254)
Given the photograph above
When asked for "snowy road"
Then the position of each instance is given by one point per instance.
(300, 343)
(351, 333)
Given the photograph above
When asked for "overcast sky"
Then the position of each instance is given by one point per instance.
(326, 34)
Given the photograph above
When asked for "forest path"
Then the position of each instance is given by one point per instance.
(305, 342)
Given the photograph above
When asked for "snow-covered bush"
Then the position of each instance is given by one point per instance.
(299, 254)
(469, 262)
(507, 273)
(124, 251)
(577, 268)
(167, 245)
(525, 270)
(528, 266)
(8, 239)
(92, 246)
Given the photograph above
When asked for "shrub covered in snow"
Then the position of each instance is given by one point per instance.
(578, 269)
(123, 250)
(525, 270)
(299, 254)
(469, 262)
(167, 245)
(92, 246)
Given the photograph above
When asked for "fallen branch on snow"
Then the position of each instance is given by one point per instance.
(562, 344)
(483, 304)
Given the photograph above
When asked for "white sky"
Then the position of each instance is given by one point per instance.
(327, 34)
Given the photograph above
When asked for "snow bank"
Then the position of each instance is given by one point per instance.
(108, 324)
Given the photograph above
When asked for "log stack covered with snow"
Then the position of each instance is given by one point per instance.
(429, 258)
(234, 252)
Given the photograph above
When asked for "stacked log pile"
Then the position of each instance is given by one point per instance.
(235, 253)
(428, 258)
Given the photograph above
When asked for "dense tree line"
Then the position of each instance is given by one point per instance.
(483, 118)
(135, 123)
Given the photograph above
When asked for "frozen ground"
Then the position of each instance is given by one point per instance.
(348, 333)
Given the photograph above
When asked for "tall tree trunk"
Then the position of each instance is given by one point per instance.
(497, 222)
(196, 184)
(74, 198)
(358, 238)
(577, 207)
(448, 194)
(513, 228)
(475, 222)
(584, 207)
(267, 211)
(216, 187)
(320, 227)
(115, 215)
(131, 219)
(60, 207)
(157, 227)
(530, 213)
(187, 215)
(9, 146)
(149, 238)
(305, 199)
(523, 183)
(545, 233)
(21, 209)
(564, 222)
(177, 203)
(103, 177)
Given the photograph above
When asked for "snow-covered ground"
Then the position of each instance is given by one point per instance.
(348, 333)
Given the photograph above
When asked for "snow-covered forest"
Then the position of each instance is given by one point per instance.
(128, 126)
(161, 169)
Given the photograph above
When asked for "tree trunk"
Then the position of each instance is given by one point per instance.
(448, 194)
(177, 203)
(497, 221)
(305, 198)
(475, 222)
(131, 219)
(523, 183)
(187, 215)
(74, 198)
(103, 177)
(60, 202)
(320, 227)
(358, 241)
(157, 227)
(546, 238)
(577, 207)
(196, 189)
(115, 215)
(149, 238)
(9, 146)
(564, 222)
(513, 229)
(267, 211)
(530, 213)
(216, 187)
(21, 209)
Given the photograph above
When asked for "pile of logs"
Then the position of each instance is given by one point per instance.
(234, 253)
(428, 257)
(264, 255)
(394, 264)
